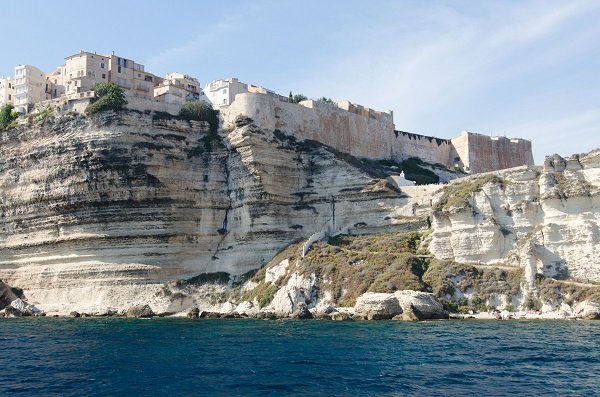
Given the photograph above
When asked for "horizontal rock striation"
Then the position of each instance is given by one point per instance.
(102, 211)
(545, 219)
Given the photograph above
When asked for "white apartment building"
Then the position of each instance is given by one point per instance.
(222, 92)
(6, 90)
(177, 88)
(30, 87)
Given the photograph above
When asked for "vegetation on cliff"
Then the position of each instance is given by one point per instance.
(457, 195)
(108, 96)
(8, 117)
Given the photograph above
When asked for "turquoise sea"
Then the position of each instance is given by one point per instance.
(181, 357)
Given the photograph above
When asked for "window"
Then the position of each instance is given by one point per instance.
(119, 69)
(102, 65)
(125, 62)
(148, 78)
(139, 75)
(103, 75)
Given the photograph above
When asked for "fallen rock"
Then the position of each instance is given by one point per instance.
(377, 306)
(302, 312)
(340, 316)
(6, 295)
(423, 305)
(193, 313)
(74, 314)
(587, 310)
(25, 308)
(408, 314)
(210, 315)
(12, 312)
(140, 311)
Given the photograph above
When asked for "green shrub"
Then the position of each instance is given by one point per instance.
(296, 98)
(201, 111)
(41, 118)
(108, 96)
(8, 117)
(458, 194)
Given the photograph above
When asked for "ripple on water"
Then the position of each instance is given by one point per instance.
(243, 357)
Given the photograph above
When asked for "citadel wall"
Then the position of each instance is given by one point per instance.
(482, 153)
(364, 132)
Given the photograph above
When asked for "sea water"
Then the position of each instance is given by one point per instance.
(181, 357)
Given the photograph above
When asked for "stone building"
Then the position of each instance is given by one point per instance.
(6, 90)
(178, 88)
(83, 70)
(30, 87)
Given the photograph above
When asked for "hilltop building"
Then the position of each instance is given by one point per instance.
(30, 87)
(177, 88)
(344, 126)
(222, 92)
(6, 90)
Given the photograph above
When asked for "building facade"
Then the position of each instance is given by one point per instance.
(222, 92)
(178, 88)
(6, 90)
(82, 71)
(30, 87)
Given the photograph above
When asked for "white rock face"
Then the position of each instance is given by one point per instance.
(587, 310)
(426, 305)
(101, 213)
(377, 306)
(545, 219)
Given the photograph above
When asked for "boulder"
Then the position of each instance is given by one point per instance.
(246, 308)
(6, 295)
(587, 310)
(25, 308)
(302, 312)
(140, 311)
(377, 306)
(424, 305)
(340, 316)
(193, 313)
(408, 314)
(74, 314)
(12, 312)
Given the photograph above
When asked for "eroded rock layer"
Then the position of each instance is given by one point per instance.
(130, 201)
(545, 219)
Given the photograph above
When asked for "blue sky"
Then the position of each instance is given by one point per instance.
(525, 69)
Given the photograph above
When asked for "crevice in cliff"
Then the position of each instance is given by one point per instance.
(223, 231)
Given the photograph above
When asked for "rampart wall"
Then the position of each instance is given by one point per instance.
(483, 153)
(364, 132)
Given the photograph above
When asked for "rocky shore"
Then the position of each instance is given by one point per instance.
(404, 305)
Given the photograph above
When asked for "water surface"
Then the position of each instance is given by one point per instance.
(181, 357)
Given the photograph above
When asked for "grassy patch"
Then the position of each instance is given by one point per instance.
(457, 195)
(413, 170)
(555, 291)
(445, 277)
(351, 265)
(263, 293)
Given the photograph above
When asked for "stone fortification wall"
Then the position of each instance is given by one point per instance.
(347, 127)
(364, 132)
(481, 153)
(427, 148)
(347, 131)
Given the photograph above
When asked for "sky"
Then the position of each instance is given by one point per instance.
(527, 69)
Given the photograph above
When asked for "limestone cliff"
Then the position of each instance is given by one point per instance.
(98, 212)
(544, 219)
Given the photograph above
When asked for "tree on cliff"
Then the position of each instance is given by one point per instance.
(296, 98)
(8, 117)
(201, 111)
(108, 96)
